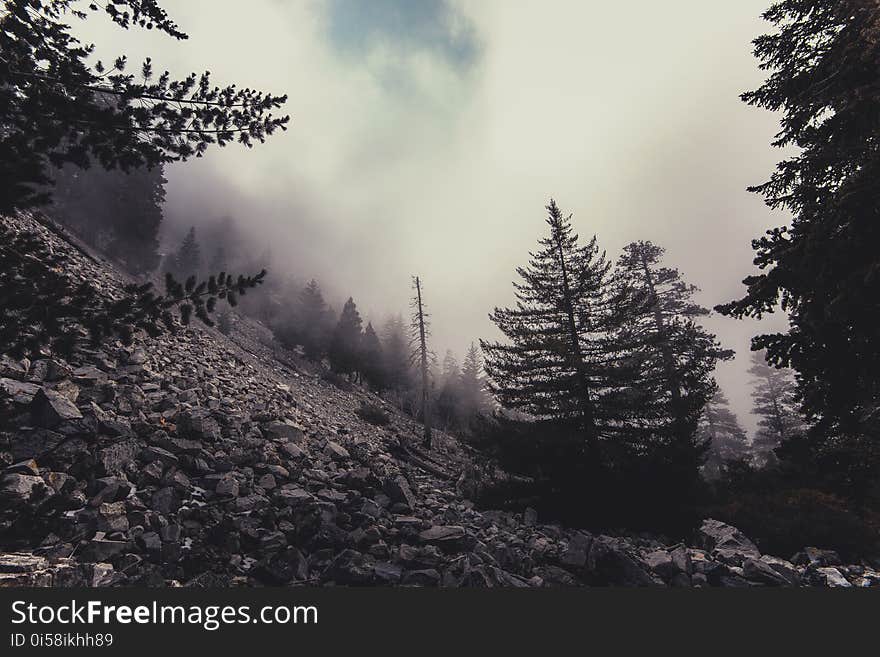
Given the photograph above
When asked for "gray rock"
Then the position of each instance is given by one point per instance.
(831, 577)
(423, 577)
(20, 487)
(397, 488)
(50, 408)
(813, 556)
(20, 392)
(283, 432)
(609, 563)
(336, 451)
(758, 570)
(575, 556)
(715, 535)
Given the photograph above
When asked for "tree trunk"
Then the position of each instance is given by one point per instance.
(668, 360)
(423, 349)
(589, 422)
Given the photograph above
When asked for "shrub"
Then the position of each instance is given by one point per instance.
(337, 380)
(374, 415)
(786, 521)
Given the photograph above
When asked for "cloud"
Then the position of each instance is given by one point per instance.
(427, 137)
(409, 27)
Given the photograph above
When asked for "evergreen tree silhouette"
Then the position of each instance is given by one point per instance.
(822, 269)
(422, 357)
(396, 355)
(346, 344)
(725, 439)
(473, 385)
(673, 357)
(188, 259)
(117, 212)
(556, 365)
(372, 359)
(776, 406)
(56, 106)
(313, 322)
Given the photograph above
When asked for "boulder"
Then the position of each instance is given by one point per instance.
(50, 408)
(336, 451)
(610, 563)
(813, 556)
(283, 432)
(758, 570)
(17, 488)
(397, 488)
(715, 535)
(575, 555)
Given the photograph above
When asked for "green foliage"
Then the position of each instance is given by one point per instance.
(776, 405)
(371, 359)
(723, 435)
(346, 342)
(116, 212)
(559, 363)
(784, 521)
(187, 260)
(55, 107)
(46, 307)
(822, 270)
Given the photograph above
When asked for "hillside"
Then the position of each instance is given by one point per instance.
(199, 459)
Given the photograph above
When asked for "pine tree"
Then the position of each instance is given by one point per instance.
(473, 385)
(674, 356)
(776, 406)
(188, 259)
(372, 359)
(725, 439)
(345, 344)
(312, 321)
(555, 366)
(396, 354)
(219, 261)
(822, 269)
(58, 107)
(422, 356)
(447, 406)
(116, 212)
(451, 371)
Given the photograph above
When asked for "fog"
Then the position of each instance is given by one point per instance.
(427, 136)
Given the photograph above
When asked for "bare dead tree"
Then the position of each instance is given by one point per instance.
(421, 355)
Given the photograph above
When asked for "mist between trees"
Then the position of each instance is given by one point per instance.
(601, 395)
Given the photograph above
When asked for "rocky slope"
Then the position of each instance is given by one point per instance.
(198, 459)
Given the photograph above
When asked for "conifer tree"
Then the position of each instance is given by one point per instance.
(116, 212)
(345, 344)
(822, 269)
(473, 385)
(57, 106)
(776, 406)
(725, 439)
(447, 406)
(188, 259)
(312, 321)
(396, 355)
(372, 359)
(451, 371)
(673, 357)
(219, 261)
(555, 365)
(422, 357)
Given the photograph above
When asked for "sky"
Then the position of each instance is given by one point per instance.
(428, 135)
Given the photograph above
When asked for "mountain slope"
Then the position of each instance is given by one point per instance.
(200, 459)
